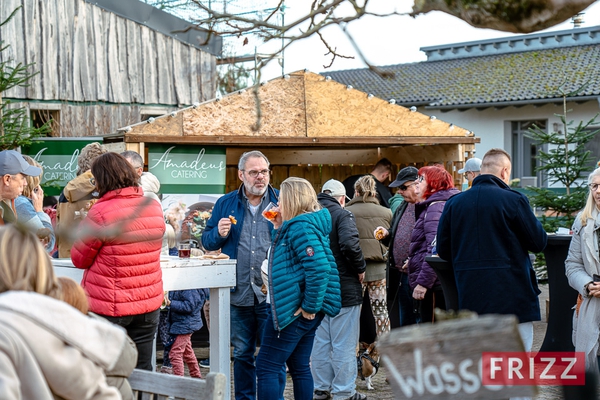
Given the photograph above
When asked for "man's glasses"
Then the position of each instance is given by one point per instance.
(405, 187)
(594, 186)
(420, 178)
(254, 174)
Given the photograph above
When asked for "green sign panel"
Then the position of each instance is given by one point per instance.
(59, 160)
(188, 169)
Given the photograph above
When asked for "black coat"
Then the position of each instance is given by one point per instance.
(346, 250)
(486, 233)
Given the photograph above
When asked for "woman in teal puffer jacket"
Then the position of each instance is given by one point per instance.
(303, 286)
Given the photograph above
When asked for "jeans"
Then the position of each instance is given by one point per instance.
(292, 345)
(333, 358)
(141, 328)
(247, 325)
(405, 302)
(181, 352)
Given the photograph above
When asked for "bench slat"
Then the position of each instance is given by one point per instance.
(155, 386)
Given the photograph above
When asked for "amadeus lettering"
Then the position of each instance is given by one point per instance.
(185, 169)
(436, 379)
(57, 171)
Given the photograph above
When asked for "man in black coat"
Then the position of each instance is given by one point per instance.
(487, 233)
(381, 172)
(333, 358)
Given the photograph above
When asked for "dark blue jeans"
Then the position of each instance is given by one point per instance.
(405, 302)
(292, 345)
(141, 328)
(247, 325)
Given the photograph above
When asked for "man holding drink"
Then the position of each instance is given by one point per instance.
(247, 240)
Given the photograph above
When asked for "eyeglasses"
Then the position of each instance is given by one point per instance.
(254, 174)
(594, 186)
(405, 187)
(420, 178)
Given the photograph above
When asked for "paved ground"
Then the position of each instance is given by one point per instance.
(382, 389)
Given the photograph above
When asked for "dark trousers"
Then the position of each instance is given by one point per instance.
(424, 309)
(405, 302)
(141, 328)
(400, 301)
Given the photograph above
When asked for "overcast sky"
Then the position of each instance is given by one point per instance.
(389, 40)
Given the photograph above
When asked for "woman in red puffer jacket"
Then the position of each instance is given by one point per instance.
(119, 247)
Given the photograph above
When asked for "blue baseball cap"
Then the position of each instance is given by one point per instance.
(12, 163)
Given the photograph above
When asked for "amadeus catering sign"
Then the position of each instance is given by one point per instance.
(58, 158)
(188, 169)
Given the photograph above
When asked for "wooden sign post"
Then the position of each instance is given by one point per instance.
(443, 360)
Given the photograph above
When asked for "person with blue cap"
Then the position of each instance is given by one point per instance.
(13, 170)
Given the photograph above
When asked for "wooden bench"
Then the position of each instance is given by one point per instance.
(148, 385)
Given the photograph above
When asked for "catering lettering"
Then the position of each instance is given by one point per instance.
(55, 170)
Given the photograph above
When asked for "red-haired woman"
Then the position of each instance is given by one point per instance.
(435, 186)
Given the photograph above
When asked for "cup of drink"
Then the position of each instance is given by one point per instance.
(183, 250)
(271, 211)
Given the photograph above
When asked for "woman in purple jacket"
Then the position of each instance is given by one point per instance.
(435, 186)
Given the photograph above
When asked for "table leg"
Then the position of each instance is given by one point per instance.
(220, 353)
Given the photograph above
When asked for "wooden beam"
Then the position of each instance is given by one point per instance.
(285, 156)
(325, 142)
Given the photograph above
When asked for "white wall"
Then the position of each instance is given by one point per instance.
(493, 126)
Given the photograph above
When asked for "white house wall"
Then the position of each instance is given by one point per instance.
(493, 125)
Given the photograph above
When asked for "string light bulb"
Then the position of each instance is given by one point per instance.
(369, 96)
(349, 87)
(174, 114)
(413, 109)
(392, 101)
(286, 77)
(150, 120)
(327, 78)
(433, 118)
(195, 105)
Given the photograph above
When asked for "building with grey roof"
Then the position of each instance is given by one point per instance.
(499, 87)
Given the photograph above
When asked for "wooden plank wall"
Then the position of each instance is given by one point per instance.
(86, 54)
(91, 120)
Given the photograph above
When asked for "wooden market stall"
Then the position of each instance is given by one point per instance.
(309, 126)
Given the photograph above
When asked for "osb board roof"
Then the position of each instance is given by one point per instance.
(298, 109)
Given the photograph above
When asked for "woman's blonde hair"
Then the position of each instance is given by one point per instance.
(590, 204)
(32, 181)
(366, 187)
(170, 236)
(24, 263)
(73, 294)
(297, 196)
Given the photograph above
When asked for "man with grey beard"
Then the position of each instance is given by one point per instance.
(240, 231)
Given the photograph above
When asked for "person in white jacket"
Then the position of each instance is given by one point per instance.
(48, 349)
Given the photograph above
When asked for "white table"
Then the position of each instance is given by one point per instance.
(181, 274)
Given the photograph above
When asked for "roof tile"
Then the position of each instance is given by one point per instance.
(485, 79)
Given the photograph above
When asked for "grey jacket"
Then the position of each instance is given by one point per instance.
(582, 262)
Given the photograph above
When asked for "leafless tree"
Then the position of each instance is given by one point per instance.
(517, 16)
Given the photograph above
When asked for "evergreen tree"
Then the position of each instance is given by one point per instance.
(15, 127)
(566, 161)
